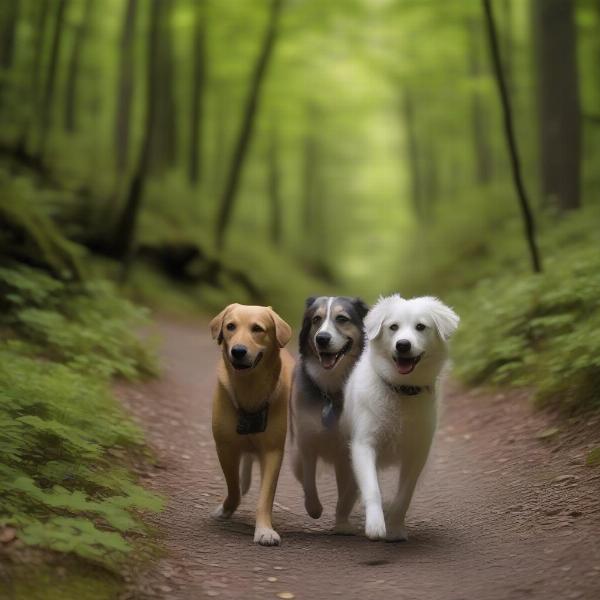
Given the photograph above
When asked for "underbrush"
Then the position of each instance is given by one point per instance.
(520, 329)
(66, 443)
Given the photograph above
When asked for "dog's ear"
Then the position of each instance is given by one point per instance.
(445, 319)
(373, 322)
(283, 332)
(305, 332)
(216, 325)
(309, 301)
(361, 307)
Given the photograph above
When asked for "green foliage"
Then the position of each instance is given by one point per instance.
(539, 331)
(63, 437)
(85, 325)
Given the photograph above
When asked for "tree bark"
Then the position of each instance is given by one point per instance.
(412, 153)
(48, 97)
(479, 118)
(74, 67)
(247, 126)
(125, 230)
(558, 102)
(528, 220)
(125, 87)
(8, 38)
(274, 187)
(197, 113)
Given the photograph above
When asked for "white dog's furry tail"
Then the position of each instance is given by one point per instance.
(246, 473)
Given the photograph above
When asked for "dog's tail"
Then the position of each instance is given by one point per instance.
(246, 473)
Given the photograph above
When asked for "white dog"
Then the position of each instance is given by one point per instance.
(390, 405)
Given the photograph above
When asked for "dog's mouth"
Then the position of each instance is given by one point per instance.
(329, 360)
(406, 364)
(245, 366)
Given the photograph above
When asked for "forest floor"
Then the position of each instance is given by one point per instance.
(505, 508)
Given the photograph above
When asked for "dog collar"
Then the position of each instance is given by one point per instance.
(408, 390)
(252, 422)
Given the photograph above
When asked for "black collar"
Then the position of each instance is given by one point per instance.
(408, 390)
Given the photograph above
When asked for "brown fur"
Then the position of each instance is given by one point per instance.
(269, 378)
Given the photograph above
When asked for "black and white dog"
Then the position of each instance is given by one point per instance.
(331, 341)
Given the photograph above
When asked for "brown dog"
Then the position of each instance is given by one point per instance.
(250, 405)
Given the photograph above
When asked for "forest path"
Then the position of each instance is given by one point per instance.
(498, 513)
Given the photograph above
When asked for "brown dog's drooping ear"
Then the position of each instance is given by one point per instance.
(283, 332)
(216, 325)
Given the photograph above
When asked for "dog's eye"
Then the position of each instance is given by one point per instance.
(420, 327)
(230, 326)
(316, 319)
(342, 319)
(257, 329)
(394, 327)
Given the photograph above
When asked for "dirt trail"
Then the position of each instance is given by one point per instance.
(498, 513)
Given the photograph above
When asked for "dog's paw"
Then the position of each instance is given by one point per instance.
(266, 537)
(343, 528)
(221, 513)
(396, 533)
(375, 524)
(313, 507)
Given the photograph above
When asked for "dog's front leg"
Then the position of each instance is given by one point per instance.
(229, 457)
(365, 470)
(309, 483)
(270, 465)
(409, 476)
(347, 493)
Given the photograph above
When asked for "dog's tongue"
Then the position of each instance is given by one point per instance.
(405, 365)
(327, 360)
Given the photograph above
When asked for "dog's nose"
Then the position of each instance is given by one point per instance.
(239, 351)
(403, 346)
(323, 338)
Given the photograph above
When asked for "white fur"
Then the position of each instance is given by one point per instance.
(387, 428)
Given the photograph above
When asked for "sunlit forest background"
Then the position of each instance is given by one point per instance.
(183, 154)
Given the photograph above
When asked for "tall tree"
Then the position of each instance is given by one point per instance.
(74, 67)
(8, 36)
(558, 102)
(49, 89)
(198, 81)
(412, 153)
(515, 161)
(125, 86)
(482, 150)
(274, 187)
(163, 151)
(123, 241)
(247, 125)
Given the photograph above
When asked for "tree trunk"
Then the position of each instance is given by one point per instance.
(247, 125)
(125, 230)
(558, 102)
(197, 116)
(479, 117)
(528, 221)
(8, 38)
(48, 97)
(274, 187)
(310, 186)
(412, 153)
(74, 67)
(125, 88)
(163, 151)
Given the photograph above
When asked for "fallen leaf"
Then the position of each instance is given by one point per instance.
(547, 433)
(8, 534)
(593, 458)
(272, 579)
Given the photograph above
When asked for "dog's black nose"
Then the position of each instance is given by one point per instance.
(323, 338)
(239, 351)
(403, 346)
